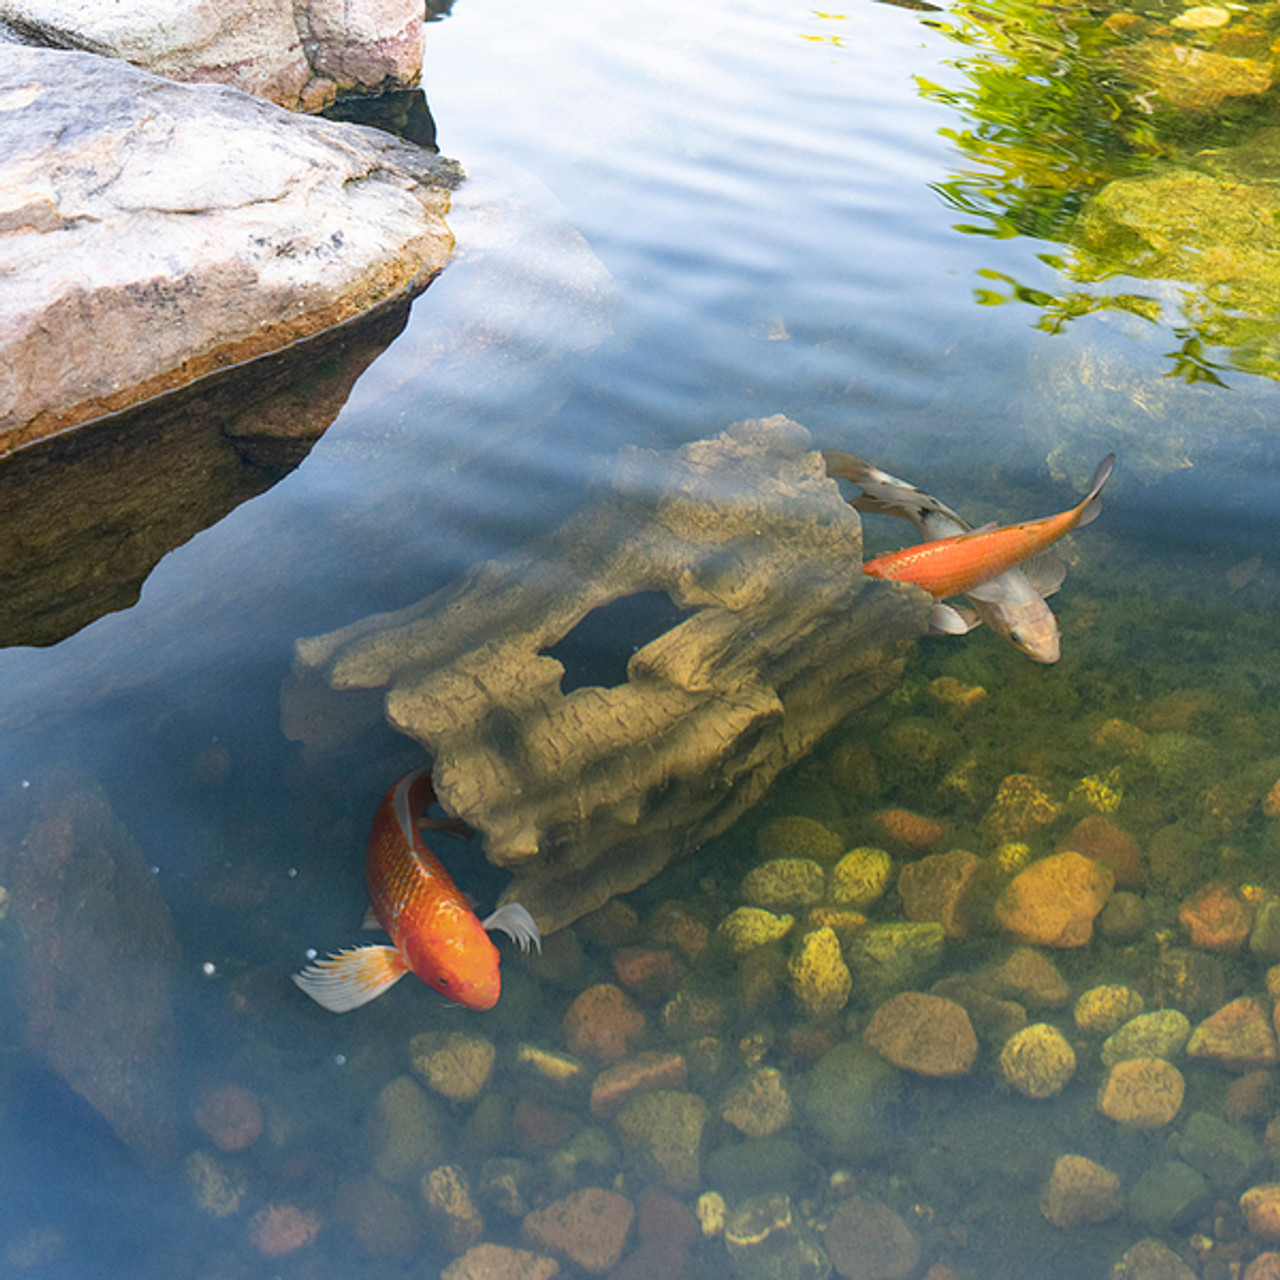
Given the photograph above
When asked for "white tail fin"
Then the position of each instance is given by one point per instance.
(351, 978)
(517, 924)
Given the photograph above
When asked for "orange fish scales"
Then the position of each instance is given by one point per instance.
(956, 565)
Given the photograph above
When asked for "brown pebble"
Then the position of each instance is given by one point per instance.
(231, 1116)
(1261, 1208)
(603, 1022)
(1143, 1093)
(278, 1229)
(615, 1086)
(925, 1034)
(589, 1228)
(648, 973)
(1249, 1097)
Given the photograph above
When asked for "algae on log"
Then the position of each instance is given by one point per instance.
(588, 794)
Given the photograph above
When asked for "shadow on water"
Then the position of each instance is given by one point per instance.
(86, 515)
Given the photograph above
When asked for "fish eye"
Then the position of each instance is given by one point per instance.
(1016, 636)
(442, 982)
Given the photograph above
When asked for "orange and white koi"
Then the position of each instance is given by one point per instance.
(956, 565)
(434, 932)
(1012, 605)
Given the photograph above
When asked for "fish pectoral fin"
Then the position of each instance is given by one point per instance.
(351, 978)
(516, 922)
(952, 620)
(1045, 572)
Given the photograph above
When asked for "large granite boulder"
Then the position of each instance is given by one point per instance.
(152, 233)
(587, 792)
(300, 54)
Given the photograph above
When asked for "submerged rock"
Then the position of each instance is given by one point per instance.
(1143, 1093)
(860, 877)
(497, 1262)
(1054, 901)
(589, 1228)
(758, 1104)
(784, 638)
(1151, 1259)
(819, 976)
(455, 1064)
(96, 319)
(1080, 1191)
(798, 837)
(785, 882)
(1160, 1034)
(866, 1240)
(96, 956)
(1103, 1010)
(1038, 1061)
(1239, 1037)
(662, 1134)
(768, 1240)
(925, 1034)
(887, 957)
(845, 1099)
(751, 927)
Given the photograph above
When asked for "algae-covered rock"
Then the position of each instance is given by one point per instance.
(662, 1135)
(1038, 1061)
(1103, 1010)
(798, 837)
(768, 1240)
(844, 1099)
(888, 957)
(1027, 976)
(1160, 1034)
(819, 976)
(860, 877)
(785, 882)
(1151, 1259)
(750, 927)
(934, 889)
(1192, 981)
(1020, 809)
(455, 1064)
(589, 1228)
(217, 1187)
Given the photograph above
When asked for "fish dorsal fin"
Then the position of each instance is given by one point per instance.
(989, 527)
(952, 620)
(351, 978)
(1092, 504)
(516, 922)
(1045, 571)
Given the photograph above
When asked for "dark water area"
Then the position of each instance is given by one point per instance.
(676, 219)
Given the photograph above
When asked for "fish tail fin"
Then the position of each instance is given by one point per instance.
(516, 922)
(351, 978)
(1091, 507)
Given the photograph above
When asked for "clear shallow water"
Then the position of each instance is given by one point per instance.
(674, 220)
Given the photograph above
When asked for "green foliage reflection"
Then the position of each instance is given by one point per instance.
(1128, 137)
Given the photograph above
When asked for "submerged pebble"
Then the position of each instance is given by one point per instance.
(1038, 1061)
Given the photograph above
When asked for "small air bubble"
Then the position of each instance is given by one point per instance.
(293, 872)
(312, 953)
(209, 968)
(155, 871)
(340, 1059)
(26, 782)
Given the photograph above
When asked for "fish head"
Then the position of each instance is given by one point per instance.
(1033, 631)
(462, 969)
(1015, 610)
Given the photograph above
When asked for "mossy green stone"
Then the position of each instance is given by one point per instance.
(893, 957)
(1160, 1034)
(860, 877)
(798, 837)
(785, 882)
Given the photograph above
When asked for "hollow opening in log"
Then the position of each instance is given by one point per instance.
(597, 650)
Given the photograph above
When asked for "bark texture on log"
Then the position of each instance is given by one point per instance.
(589, 794)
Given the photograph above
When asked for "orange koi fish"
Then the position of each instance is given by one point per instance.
(435, 933)
(956, 565)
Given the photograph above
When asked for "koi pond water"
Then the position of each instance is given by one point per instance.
(984, 986)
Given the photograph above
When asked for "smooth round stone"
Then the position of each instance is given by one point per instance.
(1038, 1061)
(1143, 1093)
(1168, 1195)
(1103, 1010)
